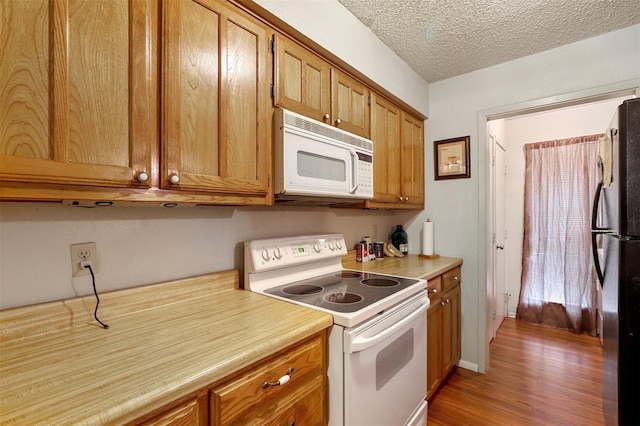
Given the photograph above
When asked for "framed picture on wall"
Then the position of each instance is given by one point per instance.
(452, 158)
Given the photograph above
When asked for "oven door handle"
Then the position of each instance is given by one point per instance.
(361, 343)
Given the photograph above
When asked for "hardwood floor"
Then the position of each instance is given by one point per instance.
(537, 376)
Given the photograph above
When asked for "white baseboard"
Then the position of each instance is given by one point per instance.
(468, 365)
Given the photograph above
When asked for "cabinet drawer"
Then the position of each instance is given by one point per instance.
(434, 287)
(450, 278)
(244, 393)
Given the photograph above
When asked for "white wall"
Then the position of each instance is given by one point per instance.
(582, 120)
(144, 245)
(459, 106)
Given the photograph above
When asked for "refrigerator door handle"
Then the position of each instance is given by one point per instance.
(595, 230)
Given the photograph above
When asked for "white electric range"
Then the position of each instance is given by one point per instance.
(377, 346)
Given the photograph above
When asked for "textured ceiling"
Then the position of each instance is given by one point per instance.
(444, 38)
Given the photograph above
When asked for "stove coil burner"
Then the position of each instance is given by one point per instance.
(380, 282)
(302, 289)
(348, 274)
(343, 298)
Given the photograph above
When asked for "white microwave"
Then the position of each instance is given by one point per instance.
(320, 164)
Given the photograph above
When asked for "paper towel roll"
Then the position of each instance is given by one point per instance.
(427, 238)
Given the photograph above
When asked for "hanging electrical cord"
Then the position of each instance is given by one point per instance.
(93, 280)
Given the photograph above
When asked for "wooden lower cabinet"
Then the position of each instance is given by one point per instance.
(443, 328)
(251, 397)
(191, 412)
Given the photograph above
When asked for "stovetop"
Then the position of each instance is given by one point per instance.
(343, 291)
(307, 270)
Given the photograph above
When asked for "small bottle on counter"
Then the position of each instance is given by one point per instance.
(362, 251)
(400, 239)
(372, 254)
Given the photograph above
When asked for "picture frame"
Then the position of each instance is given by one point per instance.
(452, 158)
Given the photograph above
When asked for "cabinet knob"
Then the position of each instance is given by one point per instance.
(338, 121)
(174, 179)
(142, 177)
(401, 198)
(432, 291)
(454, 278)
(326, 116)
(442, 303)
(406, 198)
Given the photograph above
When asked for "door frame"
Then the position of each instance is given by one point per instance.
(485, 216)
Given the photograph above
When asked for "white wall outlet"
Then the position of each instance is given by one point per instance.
(80, 253)
(374, 232)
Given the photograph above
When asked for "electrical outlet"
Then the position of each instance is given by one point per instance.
(80, 253)
(374, 232)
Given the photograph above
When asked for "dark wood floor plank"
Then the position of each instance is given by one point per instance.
(537, 376)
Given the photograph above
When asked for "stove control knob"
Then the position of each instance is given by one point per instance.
(277, 253)
(316, 247)
(339, 244)
(265, 254)
(332, 245)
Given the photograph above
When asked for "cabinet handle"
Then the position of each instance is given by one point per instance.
(325, 117)
(406, 198)
(142, 177)
(442, 303)
(432, 291)
(448, 301)
(281, 381)
(401, 198)
(174, 179)
(454, 278)
(338, 121)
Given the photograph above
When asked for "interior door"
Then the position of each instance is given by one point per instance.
(500, 217)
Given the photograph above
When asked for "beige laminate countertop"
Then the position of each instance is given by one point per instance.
(165, 341)
(411, 265)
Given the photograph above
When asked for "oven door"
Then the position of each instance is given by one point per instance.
(385, 367)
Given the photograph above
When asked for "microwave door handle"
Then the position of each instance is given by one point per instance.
(354, 172)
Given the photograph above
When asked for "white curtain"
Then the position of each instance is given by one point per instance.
(558, 282)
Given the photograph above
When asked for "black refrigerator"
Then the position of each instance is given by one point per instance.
(617, 202)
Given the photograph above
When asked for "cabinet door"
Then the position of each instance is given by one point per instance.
(412, 160)
(189, 413)
(78, 95)
(450, 329)
(349, 104)
(434, 338)
(385, 134)
(302, 79)
(215, 103)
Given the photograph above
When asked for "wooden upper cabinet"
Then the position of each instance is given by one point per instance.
(350, 104)
(302, 80)
(385, 134)
(216, 108)
(398, 157)
(308, 85)
(412, 160)
(78, 96)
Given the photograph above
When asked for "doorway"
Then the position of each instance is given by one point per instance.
(495, 296)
